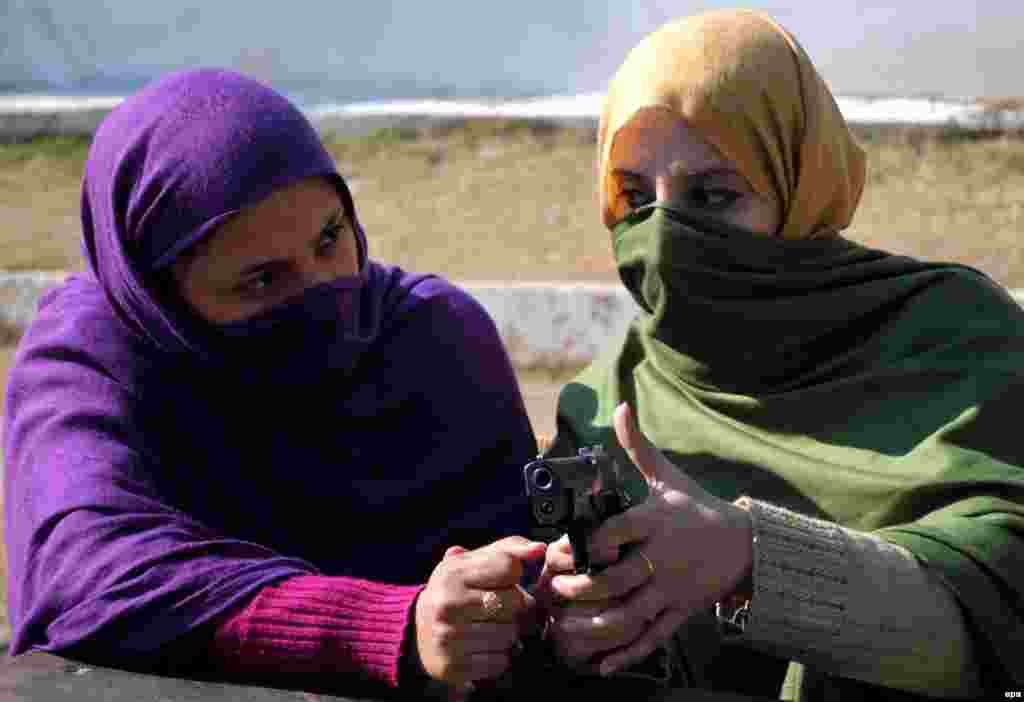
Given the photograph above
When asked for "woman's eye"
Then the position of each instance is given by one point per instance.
(261, 282)
(329, 238)
(713, 198)
(637, 198)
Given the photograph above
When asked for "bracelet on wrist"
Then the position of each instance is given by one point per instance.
(733, 612)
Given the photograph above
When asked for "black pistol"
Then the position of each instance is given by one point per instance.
(574, 496)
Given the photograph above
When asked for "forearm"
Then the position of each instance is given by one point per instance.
(850, 604)
(318, 624)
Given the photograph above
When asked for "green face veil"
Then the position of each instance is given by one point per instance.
(730, 311)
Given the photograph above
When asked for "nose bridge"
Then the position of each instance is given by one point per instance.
(674, 170)
(666, 183)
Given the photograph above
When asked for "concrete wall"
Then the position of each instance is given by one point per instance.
(19, 293)
(546, 325)
(23, 118)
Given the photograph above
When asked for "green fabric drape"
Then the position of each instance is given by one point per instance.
(869, 389)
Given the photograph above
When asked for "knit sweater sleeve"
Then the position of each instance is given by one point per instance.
(317, 624)
(848, 603)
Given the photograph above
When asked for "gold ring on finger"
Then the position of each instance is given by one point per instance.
(493, 605)
(650, 565)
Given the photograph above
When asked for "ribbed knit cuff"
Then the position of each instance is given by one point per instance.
(850, 604)
(321, 624)
(800, 581)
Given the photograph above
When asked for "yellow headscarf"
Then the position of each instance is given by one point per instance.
(749, 88)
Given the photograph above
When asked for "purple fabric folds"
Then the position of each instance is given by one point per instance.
(152, 481)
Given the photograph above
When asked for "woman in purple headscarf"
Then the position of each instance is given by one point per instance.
(237, 440)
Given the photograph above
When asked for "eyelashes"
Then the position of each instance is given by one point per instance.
(329, 237)
(715, 199)
(633, 198)
(707, 199)
(267, 281)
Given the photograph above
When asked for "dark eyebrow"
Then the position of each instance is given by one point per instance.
(708, 174)
(623, 173)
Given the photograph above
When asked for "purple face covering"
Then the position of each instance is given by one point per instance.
(160, 469)
(327, 326)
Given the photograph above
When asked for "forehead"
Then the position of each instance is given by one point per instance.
(655, 140)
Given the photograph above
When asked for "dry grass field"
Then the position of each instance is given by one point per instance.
(510, 201)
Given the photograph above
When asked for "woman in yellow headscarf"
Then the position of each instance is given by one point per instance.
(824, 433)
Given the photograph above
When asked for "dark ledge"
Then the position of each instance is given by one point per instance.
(41, 677)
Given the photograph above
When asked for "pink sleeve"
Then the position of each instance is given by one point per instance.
(318, 624)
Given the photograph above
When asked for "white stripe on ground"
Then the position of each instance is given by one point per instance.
(544, 325)
(23, 116)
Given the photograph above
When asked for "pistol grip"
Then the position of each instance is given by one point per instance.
(580, 553)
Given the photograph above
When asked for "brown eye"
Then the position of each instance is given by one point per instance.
(259, 283)
(636, 198)
(713, 199)
(328, 239)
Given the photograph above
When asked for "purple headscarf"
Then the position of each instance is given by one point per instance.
(153, 480)
(170, 165)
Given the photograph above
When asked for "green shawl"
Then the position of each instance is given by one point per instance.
(869, 389)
